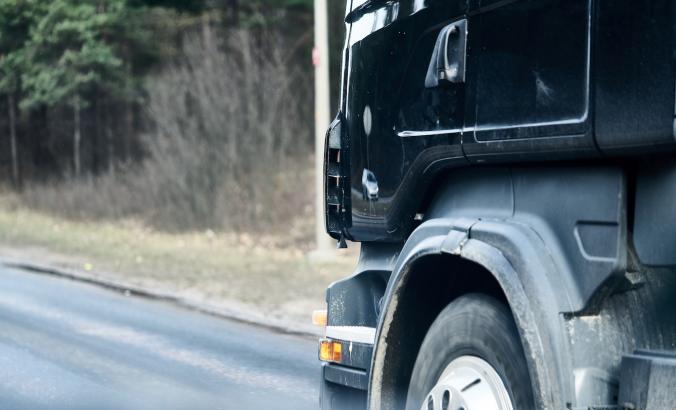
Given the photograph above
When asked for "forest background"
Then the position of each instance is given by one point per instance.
(167, 145)
(181, 114)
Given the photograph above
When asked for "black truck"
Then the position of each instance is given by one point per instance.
(509, 168)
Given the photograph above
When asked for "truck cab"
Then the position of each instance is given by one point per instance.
(508, 167)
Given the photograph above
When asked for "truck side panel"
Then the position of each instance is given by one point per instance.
(545, 80)
(635, 69)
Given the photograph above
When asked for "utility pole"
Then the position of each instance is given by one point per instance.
(320, 59)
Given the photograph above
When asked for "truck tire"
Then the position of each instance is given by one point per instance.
(471, 359)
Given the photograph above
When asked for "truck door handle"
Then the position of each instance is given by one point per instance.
(448, 58)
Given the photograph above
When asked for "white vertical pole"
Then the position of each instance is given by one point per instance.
(322, 117)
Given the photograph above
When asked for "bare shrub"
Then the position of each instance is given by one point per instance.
(229, 147)
(232, 138)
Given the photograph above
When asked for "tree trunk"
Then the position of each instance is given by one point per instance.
(12, 139)
(96, 155)
(129, 130)
(234, 13)
(109, 142)
(76, 136)
(206, 30)
(207, 41)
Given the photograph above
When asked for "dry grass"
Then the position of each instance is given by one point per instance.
(261, 273)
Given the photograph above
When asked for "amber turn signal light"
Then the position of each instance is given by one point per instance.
(319, 317)
(330, 351)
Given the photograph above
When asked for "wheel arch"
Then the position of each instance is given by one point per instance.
(445, 252)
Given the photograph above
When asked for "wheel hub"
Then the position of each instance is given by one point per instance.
(468, 383)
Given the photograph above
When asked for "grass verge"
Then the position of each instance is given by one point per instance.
(260, 274)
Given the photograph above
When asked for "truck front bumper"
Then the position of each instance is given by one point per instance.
(344, 383)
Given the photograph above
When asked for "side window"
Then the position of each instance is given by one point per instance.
(529, 68)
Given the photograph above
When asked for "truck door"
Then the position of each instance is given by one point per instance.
(528, 79)
(398, 120)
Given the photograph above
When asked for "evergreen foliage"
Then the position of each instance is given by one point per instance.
(16, 19)
(69, 53)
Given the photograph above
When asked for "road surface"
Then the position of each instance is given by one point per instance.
(68, 345)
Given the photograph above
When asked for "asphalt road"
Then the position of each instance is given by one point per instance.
(68, 345)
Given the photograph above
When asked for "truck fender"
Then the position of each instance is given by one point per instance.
(516, 257)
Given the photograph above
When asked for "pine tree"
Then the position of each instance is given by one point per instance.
(16, 19)
(68, 57)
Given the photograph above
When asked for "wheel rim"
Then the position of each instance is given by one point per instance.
(468, 383)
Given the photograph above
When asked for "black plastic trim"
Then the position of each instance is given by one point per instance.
(345, 376)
